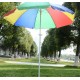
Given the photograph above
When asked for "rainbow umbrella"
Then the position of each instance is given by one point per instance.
(30, 16)
(40, 15)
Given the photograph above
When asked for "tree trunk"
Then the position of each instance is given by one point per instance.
(29, 55)
(9, 52)
(51, 57)
(18, 50)
(77, 55)
(13, 52)
(26, 56)
(5, 53)
(79, 58)
(54, 55)
(59, 55)
(13, 49)
(0, 26)
(22, 54)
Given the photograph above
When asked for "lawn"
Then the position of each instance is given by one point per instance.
(14, 70)
(35, 60)
(9, 70)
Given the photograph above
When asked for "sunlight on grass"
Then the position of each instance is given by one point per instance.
(35, 60)
(11, 70)
(17, 70)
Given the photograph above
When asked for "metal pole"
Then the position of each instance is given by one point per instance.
(39, 45)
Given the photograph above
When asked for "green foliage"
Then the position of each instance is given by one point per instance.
(44, 47)
(76, 23)
(16, 38)
(64, 37)
(76, 5)
(56, 40)
(25, 40)
(34, 49)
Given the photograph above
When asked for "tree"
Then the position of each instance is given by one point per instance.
(44, 47)
(64, 38)
(17, 39)
(76, 38)
(33, 50)
(76, 23)
(48, 48)
(56, 40)
(52, 48)
(25, 40)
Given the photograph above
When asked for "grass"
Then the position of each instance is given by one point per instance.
(10, 70)
(61, 72)
(35, 60)
(14, 70)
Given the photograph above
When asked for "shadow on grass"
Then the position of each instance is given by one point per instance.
(69, 66)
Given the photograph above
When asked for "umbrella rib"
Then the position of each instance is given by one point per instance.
(36, 18)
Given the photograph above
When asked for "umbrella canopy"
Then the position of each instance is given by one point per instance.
(41, 5)
(62, 8)
(29, 5)
(51, 17)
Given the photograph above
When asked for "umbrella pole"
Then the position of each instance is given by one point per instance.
(39, 45)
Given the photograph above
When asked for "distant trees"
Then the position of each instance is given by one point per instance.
(55, 41)
(45, 47)
(34, 49)
(17, 40)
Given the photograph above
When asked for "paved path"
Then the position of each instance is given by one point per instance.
(41, 64)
